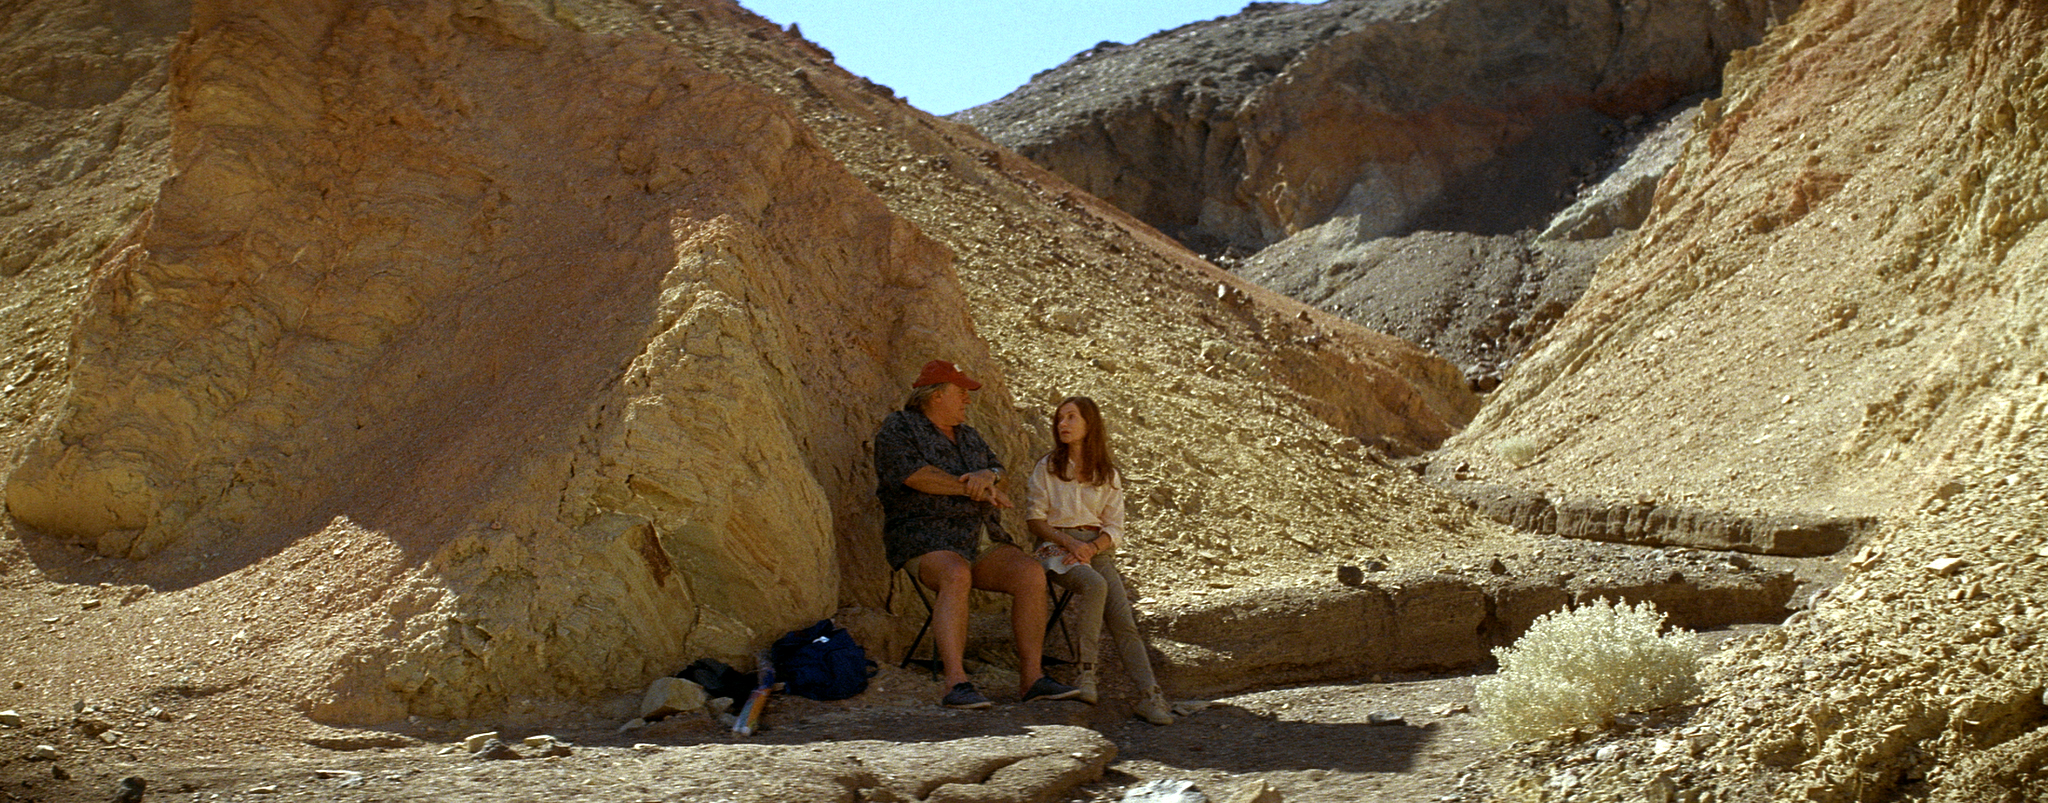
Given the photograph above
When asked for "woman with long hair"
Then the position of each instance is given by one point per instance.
(1077, 512)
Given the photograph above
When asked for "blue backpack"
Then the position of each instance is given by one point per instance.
(821, 662)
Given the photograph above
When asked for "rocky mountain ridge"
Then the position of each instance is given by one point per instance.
(1397, 115)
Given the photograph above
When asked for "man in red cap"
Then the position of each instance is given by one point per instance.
(941, 498)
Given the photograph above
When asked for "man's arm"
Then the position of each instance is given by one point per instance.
(977, 485)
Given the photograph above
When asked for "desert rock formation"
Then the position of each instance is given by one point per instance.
(1835, 309)
(1462, 115)
(353, 382)
(1487, 157)
(469, 357)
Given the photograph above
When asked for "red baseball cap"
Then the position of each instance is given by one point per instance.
(938, 371)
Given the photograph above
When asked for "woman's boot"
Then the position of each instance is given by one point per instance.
(1152, 707)
(1085, 681)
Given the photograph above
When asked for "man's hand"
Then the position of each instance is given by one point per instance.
(979, 484)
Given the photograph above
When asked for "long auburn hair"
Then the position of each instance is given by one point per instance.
(1092, 464)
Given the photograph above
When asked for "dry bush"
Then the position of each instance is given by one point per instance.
(1520, 450)
(1583, 666)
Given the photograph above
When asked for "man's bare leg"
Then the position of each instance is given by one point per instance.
(950, 577)
(1007, 569)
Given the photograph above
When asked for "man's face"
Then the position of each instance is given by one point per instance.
(948, 407)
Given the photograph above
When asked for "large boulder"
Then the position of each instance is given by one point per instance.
(600, 412)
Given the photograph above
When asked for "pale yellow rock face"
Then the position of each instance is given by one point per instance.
(593, 415)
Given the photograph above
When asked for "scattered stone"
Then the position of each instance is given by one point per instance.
(643, 747)
(362, 741)
(350, 779)
(1607, 752)
(1454, 708)
(670, 695)
(1351, 575)
(1661, 789)
(1497, 566)
(549, 746)
(89, 604)
(91, 726)
(1255, 792)
(57, 772)
(266, 789)
(1385, 718)
(633, 725)
(1943, 567)
(10, 718)
(130, 790)
(495, 750)
(476, 741)
(1165, 790)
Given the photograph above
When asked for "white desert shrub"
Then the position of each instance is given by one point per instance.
(1519, 450)
(1582, 666)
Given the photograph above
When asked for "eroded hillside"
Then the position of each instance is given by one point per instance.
(1836, 306)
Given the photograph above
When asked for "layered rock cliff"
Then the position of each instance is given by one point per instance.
(1462, 115)
(1448, 172)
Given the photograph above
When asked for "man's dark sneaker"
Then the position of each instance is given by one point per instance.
(1048, 689)
(963, 695)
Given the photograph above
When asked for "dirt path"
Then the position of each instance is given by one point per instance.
(1312, 744)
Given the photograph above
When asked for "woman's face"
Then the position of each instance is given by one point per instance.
(948, 407)
(1068, 425)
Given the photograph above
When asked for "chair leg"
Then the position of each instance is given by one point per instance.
(1059, 607)
(933, 663)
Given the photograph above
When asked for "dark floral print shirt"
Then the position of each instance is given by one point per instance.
(915, 522)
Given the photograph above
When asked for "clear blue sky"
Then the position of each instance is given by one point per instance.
(948, 55)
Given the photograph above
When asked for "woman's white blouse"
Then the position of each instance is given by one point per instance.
(1065, 503)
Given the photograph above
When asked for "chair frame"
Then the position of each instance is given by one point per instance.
(1060, 598)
